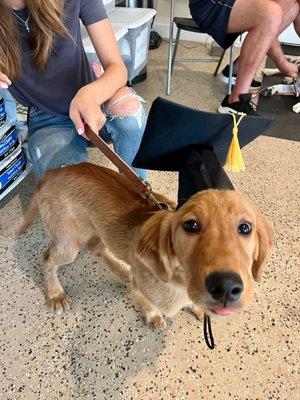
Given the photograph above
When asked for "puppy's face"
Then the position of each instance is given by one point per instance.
(219, 239)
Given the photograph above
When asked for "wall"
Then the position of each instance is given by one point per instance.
(161, 23)
(290, 36)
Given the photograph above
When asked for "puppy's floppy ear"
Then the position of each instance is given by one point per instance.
(264, 242)
(155, 247)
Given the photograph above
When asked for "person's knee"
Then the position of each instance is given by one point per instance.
(272, 16)
(268, 17)
(264, 16)
(124, 103)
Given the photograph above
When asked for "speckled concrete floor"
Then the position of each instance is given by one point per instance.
(102, 350)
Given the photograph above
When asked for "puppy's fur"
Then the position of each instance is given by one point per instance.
(296, 108)
(286, 80)
(166, 265)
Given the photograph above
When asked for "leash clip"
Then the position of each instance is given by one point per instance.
(149, 195)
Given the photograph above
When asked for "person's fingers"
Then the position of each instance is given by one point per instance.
(4, 81)
(4, 78)
(77, 121)
(95, 120)
(84, 111)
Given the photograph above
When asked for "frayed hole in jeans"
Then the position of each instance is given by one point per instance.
(125, 106)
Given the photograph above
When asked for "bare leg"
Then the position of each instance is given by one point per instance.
(290, 13)
(297, 24)
(262, 20)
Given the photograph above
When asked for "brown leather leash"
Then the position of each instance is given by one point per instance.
(145, 190)
(143, 187)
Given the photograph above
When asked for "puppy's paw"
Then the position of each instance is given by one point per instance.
(197, 311)
(287, 80)
(296, 108)
(59, 303)
(271, 71)
(155, 320)
(295, 60)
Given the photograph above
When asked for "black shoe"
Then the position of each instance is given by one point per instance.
(224, 77)
(245, 106)
(155, 40)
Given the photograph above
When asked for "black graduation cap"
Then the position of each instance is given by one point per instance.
(193, 142)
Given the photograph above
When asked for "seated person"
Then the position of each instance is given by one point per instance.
(225, 20)
(44, 67)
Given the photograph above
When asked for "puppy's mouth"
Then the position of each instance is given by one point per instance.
(223, 308)
(222, 311)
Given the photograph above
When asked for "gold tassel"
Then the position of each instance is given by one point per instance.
(234, 159)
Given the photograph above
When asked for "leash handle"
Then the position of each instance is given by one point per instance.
(208, 335)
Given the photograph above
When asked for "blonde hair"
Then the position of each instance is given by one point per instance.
(45, 24)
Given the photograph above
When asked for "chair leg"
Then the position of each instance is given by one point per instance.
(175, 50)
(219, 63)
(230, 70)
(170, 65)
(170, 48)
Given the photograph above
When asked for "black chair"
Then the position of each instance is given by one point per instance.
(188, 24)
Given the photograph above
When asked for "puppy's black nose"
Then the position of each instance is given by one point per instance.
(226, 286)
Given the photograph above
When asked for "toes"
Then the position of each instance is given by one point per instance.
(156, 321)
(59, 303)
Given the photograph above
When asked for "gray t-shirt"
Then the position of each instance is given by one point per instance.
(67, 69)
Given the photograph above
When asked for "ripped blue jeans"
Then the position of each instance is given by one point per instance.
(53, 141)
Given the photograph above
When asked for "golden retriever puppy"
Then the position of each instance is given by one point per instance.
(200, 257)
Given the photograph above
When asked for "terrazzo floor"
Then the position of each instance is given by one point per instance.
(101, 349)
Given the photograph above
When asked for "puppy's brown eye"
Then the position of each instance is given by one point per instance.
(191, 226)
(245, 228)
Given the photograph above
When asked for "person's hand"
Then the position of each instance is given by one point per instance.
(84, 110)
(4, 81)
(289, 69)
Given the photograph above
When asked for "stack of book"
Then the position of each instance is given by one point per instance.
(13, 165)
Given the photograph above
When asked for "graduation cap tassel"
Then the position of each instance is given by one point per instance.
(234, 160)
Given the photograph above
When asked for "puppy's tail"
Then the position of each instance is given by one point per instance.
(30, 216)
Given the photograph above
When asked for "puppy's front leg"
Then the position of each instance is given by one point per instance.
(271, 71)
(153, 317)
(197, 311)
(98, 248)
(54, 257)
